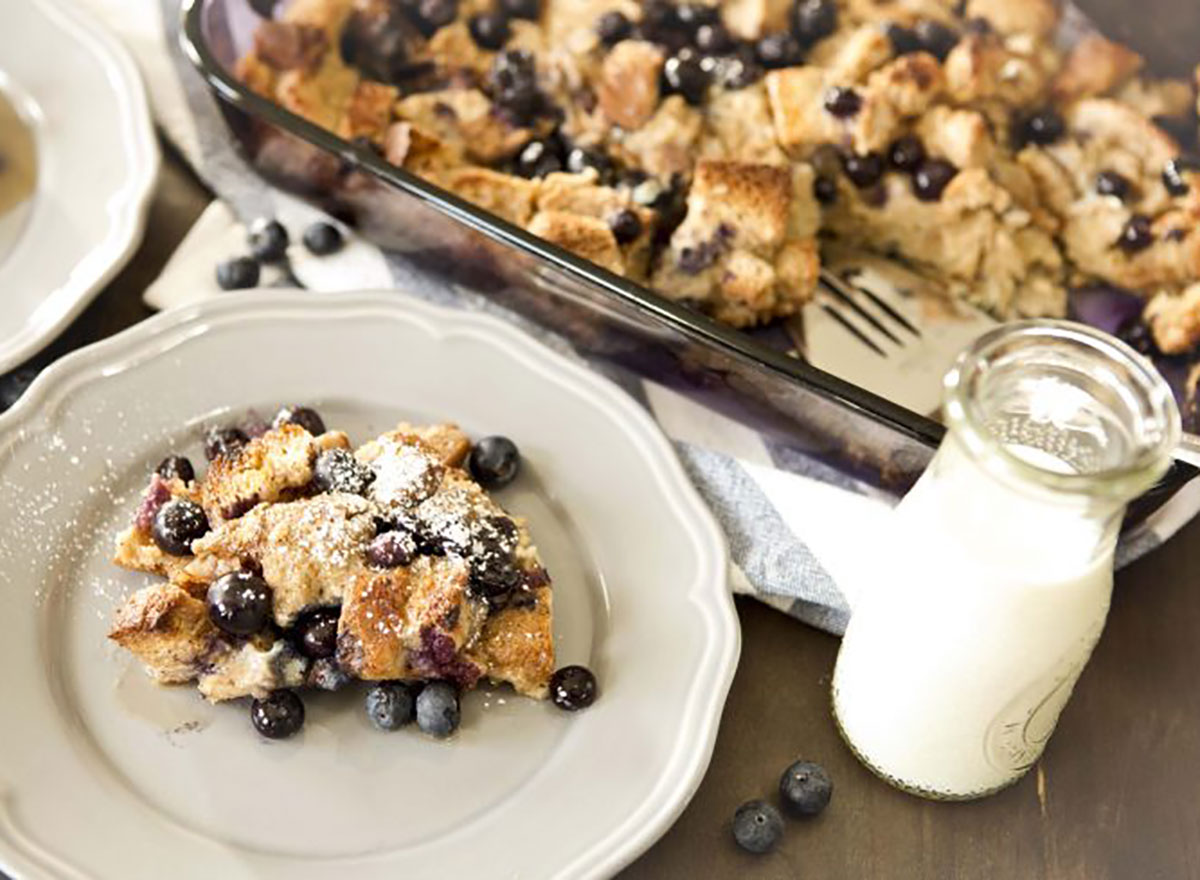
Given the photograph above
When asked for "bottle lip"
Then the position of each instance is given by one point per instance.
(1139, 472)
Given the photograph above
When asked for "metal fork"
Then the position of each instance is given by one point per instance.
(864, 314)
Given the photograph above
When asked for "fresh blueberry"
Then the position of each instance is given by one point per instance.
(489, 30)
(842, 103)
(613, 27)
(778, 50)
(1174, 170)
(278, 715)
(906, 153)
(494, 574)
(177, 524)
(337, 470)
(814, 20)
(512, 81)
(316, 633)
(863, 169)
(684, 75)
(573, 688)
(237, 273)
(323, 238)
(305, 417)
(1137, 336)
(1136, 235)
(537, 159)
(239, 603)
(494, 462)
(626, 226)
(265, 8)
(580, 160)
(825, 189)
(436, 13)
(390, 705)
(931, 178)
(438, 712)
(935, 38)
(527, 9)
(805, 789)
(176, 467)
(1110, 183)
(757, 827)
(392, 549)
(1042, 127)
(224, 443)
(693, 16)
(325, 674)
(268, 241)
(714, 39)
(741, 70)
(904, 40)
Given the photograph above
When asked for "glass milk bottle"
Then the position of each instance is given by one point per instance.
(982, 604)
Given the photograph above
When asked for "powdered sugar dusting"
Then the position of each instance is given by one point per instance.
(404, 475)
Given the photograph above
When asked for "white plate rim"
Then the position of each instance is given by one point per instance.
(709, 592)
(91, 270)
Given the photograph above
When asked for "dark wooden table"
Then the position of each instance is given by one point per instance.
(1116, 797)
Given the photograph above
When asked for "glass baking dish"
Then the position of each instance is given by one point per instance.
(798, 408)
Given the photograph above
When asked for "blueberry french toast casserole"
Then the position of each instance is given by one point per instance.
(297, 561)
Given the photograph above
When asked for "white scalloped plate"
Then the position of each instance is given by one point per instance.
(79, 91)
(103, 774)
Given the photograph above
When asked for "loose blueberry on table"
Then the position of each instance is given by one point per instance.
(238, 273)
(757, 827)
(805, 789)
(268, 241)
(323, 238)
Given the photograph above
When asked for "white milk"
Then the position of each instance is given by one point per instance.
(973, 624)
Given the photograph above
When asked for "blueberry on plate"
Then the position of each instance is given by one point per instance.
(337, 470)
(325, 674)
(278, 715)
(177, 524)
(306, 417)
(438, 712)
(489, 30)
(390, 705)
(176, 467)
(238, 273)
(316, 632)
(805, 789)
(494, 462)
(224, 442)
(268, 241)
(573, 688)
(757, 827)
(323, 238)
(239, 603)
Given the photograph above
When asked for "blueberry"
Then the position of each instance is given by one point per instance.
(842, 103)
(684, 75)
(391, 550)
(1137, 336)
(325, 674)
(390, 705)
(489, 30)
(438, 712)
(494, 574)
(224, 443)
(1110, 183)
(825, 189)
(814, 20)
(714, 39)
(305, 417)
(693, 16)
(1137, 234)
(757, 827)
(931, 177)
(906, 153)
(580, 159)
(494, 462)
(278, 715)
(904, 40)
(177, 524)
(176, 467)
(323, 239)
(778, 50)
(237, 273)
(1042, 127)
(613, 27)
(805, 789)
(573, 688)
(265, 8)
(527, 9)
(512, 81)
(538, 159)
(863, 169)
(437, 13)
(935, 38)
(316, 632)
(742, 70)
(239, 603)
(337, 470)
(268, 241)
(1174, 170)
(626, 226)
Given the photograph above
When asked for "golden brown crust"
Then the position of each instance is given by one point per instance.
(517, 645)
(1094, 66)
(269, 468)
(584, 236)
(168, 630)
(628, 85)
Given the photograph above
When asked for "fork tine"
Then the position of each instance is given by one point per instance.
(836, 286)
(845, 322)
(895, 315)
